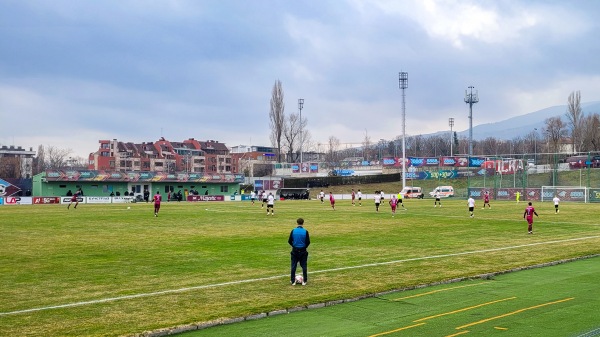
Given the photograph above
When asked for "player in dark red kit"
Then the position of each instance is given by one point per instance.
(157, 200)
(332, 200)
(74, 199)
(486, 199)
(528, 215)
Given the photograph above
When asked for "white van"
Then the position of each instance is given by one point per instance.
(412, 192)
(443, 191)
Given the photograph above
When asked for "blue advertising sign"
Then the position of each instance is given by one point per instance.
(476, 161)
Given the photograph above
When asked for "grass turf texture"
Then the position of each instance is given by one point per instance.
(53, 256)
(552, 301)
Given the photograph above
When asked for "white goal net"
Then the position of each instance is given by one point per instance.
(565, 193)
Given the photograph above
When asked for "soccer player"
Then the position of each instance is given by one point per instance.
(471, 203)
(528, 215)
(74, 199)
(270, 203)
(401, 200)
(377, 198)
(556, 201)
(518, 196)
(359, 198)
(332, 200)
(353, 197)
(437, 199)
(393, 204)
(486, 199)
(252, 196)
(382, 195)
(157, 200)
(322, 196)
(265, 198)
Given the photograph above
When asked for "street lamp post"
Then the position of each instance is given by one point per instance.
(471, 99)
(451, 123)
(300, 106)
(535, 146)
(403, 84)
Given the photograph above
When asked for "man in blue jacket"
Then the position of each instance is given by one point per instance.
(299, 240)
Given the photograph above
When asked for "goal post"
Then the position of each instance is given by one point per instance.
(565, 193)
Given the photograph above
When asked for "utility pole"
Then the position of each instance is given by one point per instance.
(300, 106)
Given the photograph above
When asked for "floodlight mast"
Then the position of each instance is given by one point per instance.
(471, 99)
(451, 123)
(403, 83)
(300, 106)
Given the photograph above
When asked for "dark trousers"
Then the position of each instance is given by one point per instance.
(301, 256)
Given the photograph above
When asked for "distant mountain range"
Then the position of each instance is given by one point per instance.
(524, 124)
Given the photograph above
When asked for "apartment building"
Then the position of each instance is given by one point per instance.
(163, 155)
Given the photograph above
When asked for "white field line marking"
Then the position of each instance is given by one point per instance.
(186, 289)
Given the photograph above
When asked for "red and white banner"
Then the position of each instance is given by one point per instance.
(46, 200)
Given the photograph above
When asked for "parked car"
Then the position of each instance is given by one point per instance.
(412, 192)
(443, 191)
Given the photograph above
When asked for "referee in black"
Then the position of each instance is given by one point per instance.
(299, 240)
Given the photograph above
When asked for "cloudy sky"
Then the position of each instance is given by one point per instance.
(74, 72)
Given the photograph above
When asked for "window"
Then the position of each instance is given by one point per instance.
(224, 188)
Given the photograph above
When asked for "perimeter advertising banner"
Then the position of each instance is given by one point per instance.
(122, 200)
(46, 200)
(98, 200)
(435, 161)
(206, 198)
(268, 184)
(66, 200)
(305, 168)
(18, 200)
(565, 194)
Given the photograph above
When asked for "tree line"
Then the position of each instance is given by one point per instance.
(580, 131)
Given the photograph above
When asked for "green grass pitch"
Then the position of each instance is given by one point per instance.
(109, 270)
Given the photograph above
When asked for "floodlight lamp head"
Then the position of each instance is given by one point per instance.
(403, 79)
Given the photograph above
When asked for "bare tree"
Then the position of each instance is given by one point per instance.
(10, 167)
(575, 120)
(555, 131)
(40, 160)
(332, 156)
(591, 132)
(291, 135)
(51, 157)
(366, 144)
(277, 117)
